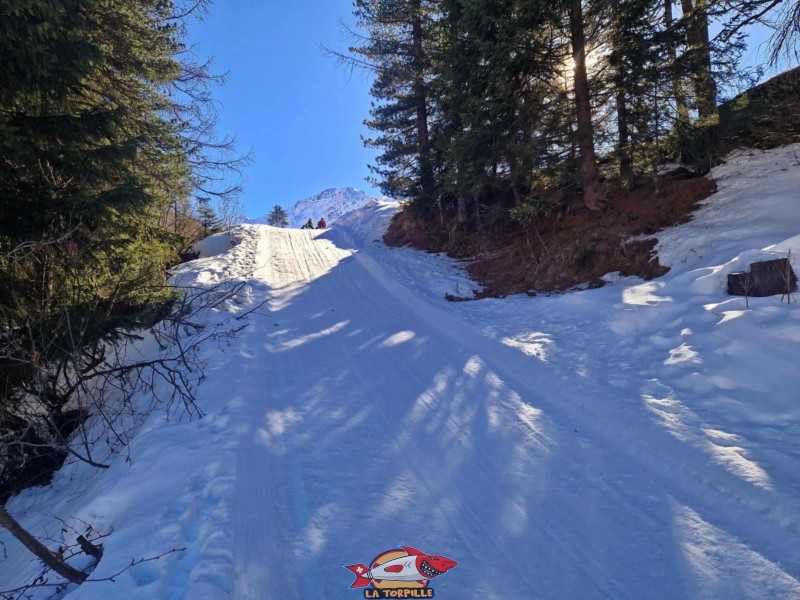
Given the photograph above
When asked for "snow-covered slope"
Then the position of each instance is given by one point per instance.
(634, 441)
(329, 204)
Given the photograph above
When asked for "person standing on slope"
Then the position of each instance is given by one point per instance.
(309, 224)
(321, 224)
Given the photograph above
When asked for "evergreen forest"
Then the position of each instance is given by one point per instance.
(108, 167)
(503, 111)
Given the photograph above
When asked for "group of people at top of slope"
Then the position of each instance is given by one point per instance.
(321, 224)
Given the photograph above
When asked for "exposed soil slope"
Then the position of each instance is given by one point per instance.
(565, 249)
(573, 247)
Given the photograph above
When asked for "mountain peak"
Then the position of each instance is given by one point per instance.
(329, 204)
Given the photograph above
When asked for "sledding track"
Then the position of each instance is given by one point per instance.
(372, 418)
(638, 440)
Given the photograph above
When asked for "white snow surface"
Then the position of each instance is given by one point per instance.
(330, 204)
(640, 440)
(219, 243)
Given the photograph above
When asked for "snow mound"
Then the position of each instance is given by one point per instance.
(756, 206)
(213, 245)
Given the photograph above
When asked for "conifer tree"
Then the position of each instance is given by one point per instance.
(492, 75)
(90, 155)
(495, 100)
(207, 216)
(640, 85)
(106, 126)
(278, 217)
(396, 49)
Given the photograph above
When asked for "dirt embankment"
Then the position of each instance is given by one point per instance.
(573, 246)
(570, 247)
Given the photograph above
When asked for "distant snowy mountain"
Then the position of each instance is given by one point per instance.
(329, 204)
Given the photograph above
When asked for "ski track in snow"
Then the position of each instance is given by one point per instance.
(439, 457)
(600, 444)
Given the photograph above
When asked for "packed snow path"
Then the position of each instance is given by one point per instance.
(372, 418)
(634, 441)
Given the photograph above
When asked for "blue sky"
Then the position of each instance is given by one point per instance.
(300, 113)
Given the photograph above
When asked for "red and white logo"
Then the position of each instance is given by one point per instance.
(404, 569)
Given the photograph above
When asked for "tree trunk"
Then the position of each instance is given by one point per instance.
(40, 550)
(421, 102)
(461, 214)
(697, 35)
(624, 148)
(677, 84)
(513, 165)
(705, 89)
(707, 106)
(592, 190)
